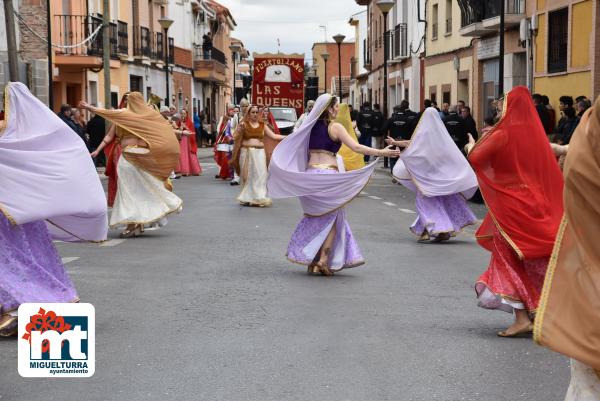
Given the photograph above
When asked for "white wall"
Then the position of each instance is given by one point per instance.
(182, 30)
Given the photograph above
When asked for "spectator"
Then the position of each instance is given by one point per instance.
(400, 126)
(470, 125)
(542, 112)
(377, 124)
(427, 103)
(445, 110)
(353, 113)
(461, 105)
(580, 98)
(207, 45)
(197, 126)
(567, 126)
(551, 114)
(65, 115)
(582, 106)
(96, 129)
(456, 128)
(365, 122)
(309, 106)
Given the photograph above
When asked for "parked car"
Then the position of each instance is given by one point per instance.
(285, 118)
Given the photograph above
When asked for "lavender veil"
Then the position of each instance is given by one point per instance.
(319, 193)
(47, 173)
(432, 164)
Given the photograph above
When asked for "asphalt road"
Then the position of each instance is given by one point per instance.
(208, 308)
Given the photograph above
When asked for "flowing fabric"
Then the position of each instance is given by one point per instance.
(254, 177)
(144, 122)
(30, 267)
(436, 215)
(271, 143)
(585, 383)
(142, 198)
(319, 193)
(569, 317)
(432, 164)
(352, 160)
(47, 172)
(519, 179)
(311, 232)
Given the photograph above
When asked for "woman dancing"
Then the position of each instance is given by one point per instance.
(437, 172)
(249, 159)
(523, 193)
(40, 201)
(150, 154)
(304, 165)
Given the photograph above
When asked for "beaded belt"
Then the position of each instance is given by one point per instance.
(323, 166)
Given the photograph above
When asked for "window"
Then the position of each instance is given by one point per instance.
(448, 16)
(93, 88)
(446, 97)
(114, 99)
(434, 22)
(135, 83)
(558, 35)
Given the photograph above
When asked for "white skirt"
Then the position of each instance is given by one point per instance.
(253, 162)
(141, 197)
(585, 384)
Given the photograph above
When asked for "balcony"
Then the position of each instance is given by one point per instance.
(399, 42)
(210, 64)
(69, 30)
(159, 47)
(479, 18)
(142, 44)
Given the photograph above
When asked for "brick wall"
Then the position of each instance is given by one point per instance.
(183, 57)
(35, 15)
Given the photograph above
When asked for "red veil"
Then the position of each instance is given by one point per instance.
(193, 144)
(519, 179)
(112, 151)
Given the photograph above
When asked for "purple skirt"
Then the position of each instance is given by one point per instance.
(442, 214)
(311, 232)
(30, 268)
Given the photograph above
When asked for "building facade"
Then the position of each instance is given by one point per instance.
(328, 81)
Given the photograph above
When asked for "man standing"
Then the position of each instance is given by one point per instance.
(470, 125)
(95, 128)
(377, 121)
(456, 128)
(400, 125)
(65, 116)
(353, 113)
(542, 112)
(364, 122)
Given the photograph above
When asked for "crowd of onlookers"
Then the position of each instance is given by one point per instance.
(560, 126)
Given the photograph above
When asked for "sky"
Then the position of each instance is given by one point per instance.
(296, 23)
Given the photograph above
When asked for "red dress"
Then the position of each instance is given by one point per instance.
(222, 158)
(188, 156)
(522, 186)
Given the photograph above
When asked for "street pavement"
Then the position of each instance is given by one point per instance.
(208, 308)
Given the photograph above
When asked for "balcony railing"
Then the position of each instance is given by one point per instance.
(159, 46)
(434, 31)
(213, 54)
(74, 29)
(473, 11)
(399, 41)
(123, 38)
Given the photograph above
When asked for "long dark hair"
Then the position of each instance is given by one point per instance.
(325, 114)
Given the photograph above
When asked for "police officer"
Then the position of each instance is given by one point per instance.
(376, 132)
(400, 125)
(365, 123)
(456, 128)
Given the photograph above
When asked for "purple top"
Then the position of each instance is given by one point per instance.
(320, 139)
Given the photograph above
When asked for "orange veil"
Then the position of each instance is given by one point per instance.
(568, 320)
(519, 179)
(144, 122)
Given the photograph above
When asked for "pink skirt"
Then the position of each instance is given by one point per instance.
(188, 161)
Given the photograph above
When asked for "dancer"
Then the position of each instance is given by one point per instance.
(437, 172)
(568, 320)
(352, 160)
(188, 149)
(249, 158)
(523, 193)
(150, 154)
(305, 166)
(235, 121)
(222, 145)
(40, 201)
(270, 144)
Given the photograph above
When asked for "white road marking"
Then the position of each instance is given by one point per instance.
(408, 211)
(389, 204)
(113, 242)
(69, 260)
(364, 193)
(375, 197)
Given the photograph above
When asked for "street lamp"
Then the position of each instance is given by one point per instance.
(325, 57)
(165, 23)
(339, 38)
(235, 48)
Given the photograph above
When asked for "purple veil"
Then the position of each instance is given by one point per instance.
(432, 164)
(319, 193)
(46, 171)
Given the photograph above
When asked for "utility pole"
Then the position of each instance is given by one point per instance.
(11, 41)
(106, 52)
(501, 56)
(49, 50)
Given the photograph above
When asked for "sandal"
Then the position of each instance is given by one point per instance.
(137, 231)
(324, 269)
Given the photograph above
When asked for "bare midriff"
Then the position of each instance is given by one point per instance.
(132, 140)
(253, 143)
(321, 157)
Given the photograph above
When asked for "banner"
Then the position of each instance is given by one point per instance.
(278, 81)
